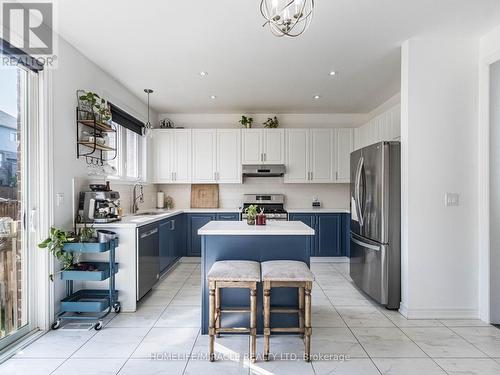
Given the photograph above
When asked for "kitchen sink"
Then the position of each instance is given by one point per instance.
(148, 214)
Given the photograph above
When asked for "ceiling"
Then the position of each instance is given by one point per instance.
(164, 45)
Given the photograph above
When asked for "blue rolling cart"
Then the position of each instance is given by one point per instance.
(96, 304)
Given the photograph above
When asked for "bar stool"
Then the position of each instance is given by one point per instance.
(288, 274)
(232, 274)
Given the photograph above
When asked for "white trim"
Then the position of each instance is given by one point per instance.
(45, 289)
(484, 185)
(15, 348)
(438, 313)
(329, 260)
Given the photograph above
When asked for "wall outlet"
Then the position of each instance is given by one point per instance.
(451, 199)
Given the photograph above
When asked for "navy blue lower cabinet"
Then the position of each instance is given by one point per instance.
(332, 233)
(180, 234)
(329, 227)
(309, 220)
(228, 216)
(195, 222)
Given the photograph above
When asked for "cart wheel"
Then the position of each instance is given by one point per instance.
(117, 307)
(98, 325)
(56, 324)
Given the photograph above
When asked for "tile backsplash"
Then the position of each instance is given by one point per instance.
(296, 195)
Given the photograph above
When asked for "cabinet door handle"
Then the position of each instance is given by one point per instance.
(311, 176)
(336, 175)
(172, 224)
(265, 156)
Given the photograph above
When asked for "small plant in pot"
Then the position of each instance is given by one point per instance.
(246, 122)
(271, 122)
(55, 244)
(251, 212)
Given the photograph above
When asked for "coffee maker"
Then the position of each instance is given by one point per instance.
(98, 207)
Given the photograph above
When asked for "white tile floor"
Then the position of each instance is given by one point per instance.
(359, 337)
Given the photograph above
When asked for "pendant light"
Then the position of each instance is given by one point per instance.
(287, 17)
(148, 127)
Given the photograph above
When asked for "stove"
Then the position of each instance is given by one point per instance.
(271, 203)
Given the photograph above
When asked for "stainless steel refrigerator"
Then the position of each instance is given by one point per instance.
(375, 255)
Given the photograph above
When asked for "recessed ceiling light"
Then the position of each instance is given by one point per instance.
(333, 73)
(203, 74)
(316, 97)
(213, 97)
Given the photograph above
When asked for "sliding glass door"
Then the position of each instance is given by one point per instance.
(17, 107)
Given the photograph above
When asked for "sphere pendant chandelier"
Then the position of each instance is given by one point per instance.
(287, 17)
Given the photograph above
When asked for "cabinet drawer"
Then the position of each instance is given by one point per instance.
(228, 216)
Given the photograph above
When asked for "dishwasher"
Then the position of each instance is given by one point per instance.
(148, 256)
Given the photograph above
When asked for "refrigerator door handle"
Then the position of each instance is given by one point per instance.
(356, 190)
(365, 245)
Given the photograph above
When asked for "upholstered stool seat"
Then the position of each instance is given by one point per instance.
(288, 274)
(232, 274)
(234, 270)
(286, 270)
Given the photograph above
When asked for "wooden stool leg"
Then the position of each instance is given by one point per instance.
(217, 310)
(301, 310)
(267, 318)
(211, 321)
(308, 330)
(253, 322)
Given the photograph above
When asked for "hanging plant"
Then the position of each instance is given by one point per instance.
(271, 122)
(92, 103)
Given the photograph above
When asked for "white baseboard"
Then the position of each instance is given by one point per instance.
(438, 313)
(329, 260)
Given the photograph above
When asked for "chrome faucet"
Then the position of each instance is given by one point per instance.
(140, 198)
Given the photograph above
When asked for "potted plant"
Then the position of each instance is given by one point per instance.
(91, 104)
(246, 122)
(55, 244)
(251, 212)
(271, 122)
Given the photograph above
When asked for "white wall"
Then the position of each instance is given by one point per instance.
(75, 72)
(297, 195)
(439, 154)
(334, 120)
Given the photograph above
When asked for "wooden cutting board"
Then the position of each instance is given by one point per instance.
(204, 196)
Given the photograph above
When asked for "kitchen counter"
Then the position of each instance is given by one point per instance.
(319, 210)
(236, 240)
(137, 220)
(241, 228)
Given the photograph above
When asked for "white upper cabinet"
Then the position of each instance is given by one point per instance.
(323, 158)
(172, 155)
(384, 127)
(263, 146)
(162, 155)
(345, 144)
(274, 146)
(228, 166)
(297, 156)
(216, 156)
(204, 155)
(318, 155)
(181, 147)
(252, 146)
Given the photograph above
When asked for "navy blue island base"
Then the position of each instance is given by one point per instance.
(257, 247)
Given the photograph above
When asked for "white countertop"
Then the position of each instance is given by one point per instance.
(241, 228)
(319, 210)
(138, 220)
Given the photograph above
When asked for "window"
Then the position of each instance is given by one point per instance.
(128, 160)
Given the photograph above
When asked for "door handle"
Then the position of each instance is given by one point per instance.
(172, 224)
(356, 190)
(364, 244)
(311, 176)
(265, 156)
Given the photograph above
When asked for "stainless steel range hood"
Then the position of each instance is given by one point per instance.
(257, 170)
